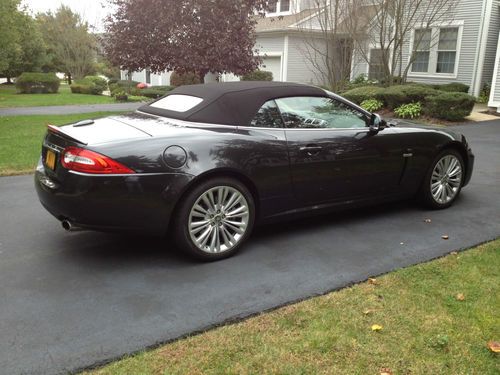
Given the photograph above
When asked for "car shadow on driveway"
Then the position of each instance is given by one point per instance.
(113, 251)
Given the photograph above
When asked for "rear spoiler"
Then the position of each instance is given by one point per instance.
(58, 131)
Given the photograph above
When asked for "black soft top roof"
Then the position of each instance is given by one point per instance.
(231, 103)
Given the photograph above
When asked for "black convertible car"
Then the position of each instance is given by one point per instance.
(206, 162)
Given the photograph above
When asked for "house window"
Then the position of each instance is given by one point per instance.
(447, 50)
(435, 50)
(273, 6)
(376, 67)
(422, 47)
(278, 6)
(285, 5)
(148, 76)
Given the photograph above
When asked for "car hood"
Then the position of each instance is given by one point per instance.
(402, 126)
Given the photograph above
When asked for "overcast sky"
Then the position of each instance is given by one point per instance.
(91, 10)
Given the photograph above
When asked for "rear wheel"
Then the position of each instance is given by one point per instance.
(443, 181)
(214, 219)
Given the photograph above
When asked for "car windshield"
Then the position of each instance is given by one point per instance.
(177, 102)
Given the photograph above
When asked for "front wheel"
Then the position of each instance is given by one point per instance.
(444, 180)
(214, 219)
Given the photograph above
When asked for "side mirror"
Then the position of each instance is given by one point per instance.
(377, 123)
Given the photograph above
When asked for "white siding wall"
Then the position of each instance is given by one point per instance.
(470, 14)
(491, 45)
(494, 101)
(300, 69)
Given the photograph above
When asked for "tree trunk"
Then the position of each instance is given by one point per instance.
(69, 78)
(9, 82)
(201, 76)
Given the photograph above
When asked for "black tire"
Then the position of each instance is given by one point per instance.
(181, 232)
(425, 194)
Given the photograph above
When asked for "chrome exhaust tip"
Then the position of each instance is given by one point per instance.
(67, 226)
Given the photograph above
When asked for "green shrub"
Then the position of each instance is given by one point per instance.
(112, 81)
(395, 96)
(120, 96)
(37, 83)
(410, 110)
(86, 86)
(98, 81)
(124, 85)
(453, 87)
(181, 79)
(451, 106)
(360, 78)
(360, 94)
(258, 75)
(155, 91)
(372, 105)
(484, 95)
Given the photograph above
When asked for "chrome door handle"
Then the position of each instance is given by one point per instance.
(311, 149)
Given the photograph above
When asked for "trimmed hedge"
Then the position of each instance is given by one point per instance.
(451, 106)
(453, 87)
(98, 81)
(124, 85)
(37, 83)
(181, 79)
(396, 96)
(360, 94)
(155, 91)
(258, 75)
(86, 86)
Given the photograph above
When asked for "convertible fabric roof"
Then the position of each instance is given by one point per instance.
(231, 103)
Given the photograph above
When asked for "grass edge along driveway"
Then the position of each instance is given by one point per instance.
(433, 318)
(21, 139)
(9, 98)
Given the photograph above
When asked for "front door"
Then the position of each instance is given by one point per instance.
(334, 155)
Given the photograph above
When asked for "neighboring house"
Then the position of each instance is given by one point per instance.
(463, 49)
(467, 48)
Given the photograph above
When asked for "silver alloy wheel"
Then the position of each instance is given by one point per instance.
(218, 219)
(446, 179)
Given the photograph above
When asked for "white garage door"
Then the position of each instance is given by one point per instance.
(272, 64)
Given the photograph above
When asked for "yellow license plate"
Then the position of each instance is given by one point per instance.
(50, 159)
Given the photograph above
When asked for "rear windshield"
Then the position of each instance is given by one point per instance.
(177, 102)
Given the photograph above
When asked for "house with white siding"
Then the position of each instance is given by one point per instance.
(467, 48)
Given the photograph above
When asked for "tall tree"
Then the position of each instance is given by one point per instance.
(70, 46)
(8, 33)
(199, 36)
(21, 45)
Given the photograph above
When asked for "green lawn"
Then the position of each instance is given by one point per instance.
(10, 98)
(426, 329)
(21, 139)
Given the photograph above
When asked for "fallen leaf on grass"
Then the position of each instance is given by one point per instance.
(372, 280)
(454, 253)
(494, 346)
(367, 312)
(445, 237)
(376, 327)
(385, 371)
(460, 297)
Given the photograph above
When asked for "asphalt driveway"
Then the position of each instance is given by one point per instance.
(70, 300)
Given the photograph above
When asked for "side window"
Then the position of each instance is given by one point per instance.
(319, 112)
(268, 116)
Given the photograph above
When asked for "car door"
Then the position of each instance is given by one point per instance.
(333, 154)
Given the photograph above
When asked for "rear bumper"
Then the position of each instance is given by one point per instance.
(140, 203)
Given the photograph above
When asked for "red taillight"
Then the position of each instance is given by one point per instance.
(86, 161)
